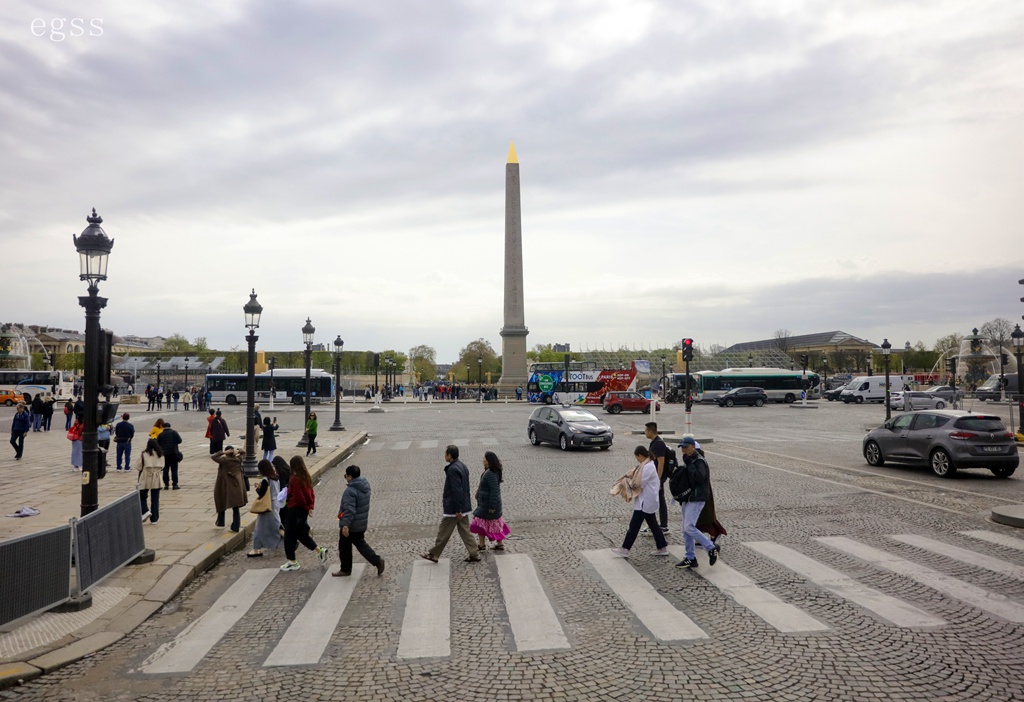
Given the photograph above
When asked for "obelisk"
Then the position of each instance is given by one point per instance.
(513, 333)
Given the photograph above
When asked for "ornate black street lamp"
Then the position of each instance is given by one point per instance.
(338, 345)
(158, 375)
(1018, 348)
(824, 368)
(252, 310)
(886, 350)
(906, 352)
(186, 372)
(307, 338)
(272, 361)
(93, 248)
(480, 375)
(750, 360)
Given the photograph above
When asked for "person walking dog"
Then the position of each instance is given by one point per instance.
(353, 519)
(457, 506)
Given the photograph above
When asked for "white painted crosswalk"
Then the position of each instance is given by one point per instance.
(533, 611)
(376, 444)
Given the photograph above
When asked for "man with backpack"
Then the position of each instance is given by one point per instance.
(690, 486)
(665, 461)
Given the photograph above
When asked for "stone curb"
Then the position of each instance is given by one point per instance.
(1011, 515)
(103, 633)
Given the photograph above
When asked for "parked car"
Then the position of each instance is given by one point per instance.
(918, 400)
(944, 440)
(568, 427)
(743, 396)
(619, 401)
(946, 392)
(833, 394)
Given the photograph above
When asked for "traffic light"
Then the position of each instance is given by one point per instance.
(687, 349)
(376, 360)
(803, 361)
(1004, 359)
(951, 365)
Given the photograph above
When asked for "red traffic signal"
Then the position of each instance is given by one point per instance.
(687, 349)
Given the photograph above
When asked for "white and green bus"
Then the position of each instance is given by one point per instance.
(780, 384)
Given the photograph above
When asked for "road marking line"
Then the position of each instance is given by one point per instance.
(898, 612)
(781, 615)
(534, 623)
(489, 442)
(197, 639)
(665, 622)
(996, 538)
(426, 627)
(966, 555)
(372, 446)
(401, 445)
(311, 630)
(429, 443)
(990, 602)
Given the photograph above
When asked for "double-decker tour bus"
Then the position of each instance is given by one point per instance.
(583, 384)
(780, 384)
(29, 383)
(287, 383)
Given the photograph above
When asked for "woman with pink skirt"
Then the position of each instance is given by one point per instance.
(487, 522)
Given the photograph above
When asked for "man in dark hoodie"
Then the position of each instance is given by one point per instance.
(354, 518)
(457, 508)
(169, 440)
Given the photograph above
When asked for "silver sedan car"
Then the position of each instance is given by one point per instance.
(915, 400)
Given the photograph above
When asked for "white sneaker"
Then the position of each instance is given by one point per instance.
(146, 516)
(621, 552)
(291, 565)
(321, 553)
(660, 552)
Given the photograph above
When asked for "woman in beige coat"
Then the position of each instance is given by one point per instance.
(229, 490)
(151, 465)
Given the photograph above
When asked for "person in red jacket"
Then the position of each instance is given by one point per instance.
(300, 503)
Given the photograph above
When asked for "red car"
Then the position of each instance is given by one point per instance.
(615, 402)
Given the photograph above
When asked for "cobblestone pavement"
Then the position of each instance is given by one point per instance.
(783, 477)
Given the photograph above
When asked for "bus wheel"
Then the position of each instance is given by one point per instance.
(548, 399)
(231, 400)
(790, 398)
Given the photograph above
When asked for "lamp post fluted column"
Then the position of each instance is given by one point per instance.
(338, 345)
(252, 310)
(1017, 336)
(307, 337)
(886, 350)
(93, 248)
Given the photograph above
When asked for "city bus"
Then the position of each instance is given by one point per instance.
(586, 384)
(289, 384)
(780, 384)
(59, 383)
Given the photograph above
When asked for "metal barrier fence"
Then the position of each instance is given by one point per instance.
(35, 570)
(36, 573)
(107, 540)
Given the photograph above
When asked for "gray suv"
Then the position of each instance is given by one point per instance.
(944, 440)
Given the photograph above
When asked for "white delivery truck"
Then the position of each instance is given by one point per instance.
(871, 388)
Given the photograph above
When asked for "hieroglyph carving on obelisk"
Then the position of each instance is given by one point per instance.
(514, 331)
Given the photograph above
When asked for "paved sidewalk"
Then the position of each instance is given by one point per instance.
(185, 539)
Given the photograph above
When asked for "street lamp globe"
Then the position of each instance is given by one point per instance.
(1017, 336)
(253, 310)
(886, 347)
(307, 333)
(338, 344)
(93, 248)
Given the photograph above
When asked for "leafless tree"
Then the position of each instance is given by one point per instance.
(783, 340)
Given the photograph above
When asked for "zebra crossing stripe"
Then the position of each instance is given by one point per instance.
(190, 646)
(429, 443)
(781, 615)
(535, 626)
(311, 630)
(401, 445)
(966, 555)
(489, 442)
(665, 622)
(372, 446)
(996, 538)
(889, 608)
(426, 627)
(990, 602)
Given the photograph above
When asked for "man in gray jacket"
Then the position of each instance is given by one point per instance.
(457, 508)
(354, 518)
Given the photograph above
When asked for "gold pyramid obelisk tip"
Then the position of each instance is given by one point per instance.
(512, 158)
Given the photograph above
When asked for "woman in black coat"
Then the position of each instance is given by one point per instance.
(269, 440)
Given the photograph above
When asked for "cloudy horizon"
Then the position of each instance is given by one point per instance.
(710, 171)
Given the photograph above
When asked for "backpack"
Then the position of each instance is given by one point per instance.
(671, 463)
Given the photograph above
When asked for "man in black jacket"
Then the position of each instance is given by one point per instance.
(457, 508)
(169, 440)
(354, 518)
(124, 432)
(690, 487)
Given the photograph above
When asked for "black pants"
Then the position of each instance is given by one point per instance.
(216, 446)
(236, 519)
(170, 470)
(357, 539)
(311, 446)
(18, 442)
(639, 517)
(662, 504)
(296, 530)
(154, 504)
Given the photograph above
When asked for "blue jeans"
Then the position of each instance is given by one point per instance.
(37, 422)
(691, 512)
(124, 449)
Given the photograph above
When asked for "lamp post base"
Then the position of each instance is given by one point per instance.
(337, 427)
(250, 466)
(304, 441)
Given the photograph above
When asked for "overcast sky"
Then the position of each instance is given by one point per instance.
(709, 169)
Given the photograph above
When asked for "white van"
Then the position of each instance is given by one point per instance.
(871, 388)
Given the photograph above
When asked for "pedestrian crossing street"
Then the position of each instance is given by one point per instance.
(536, 626)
